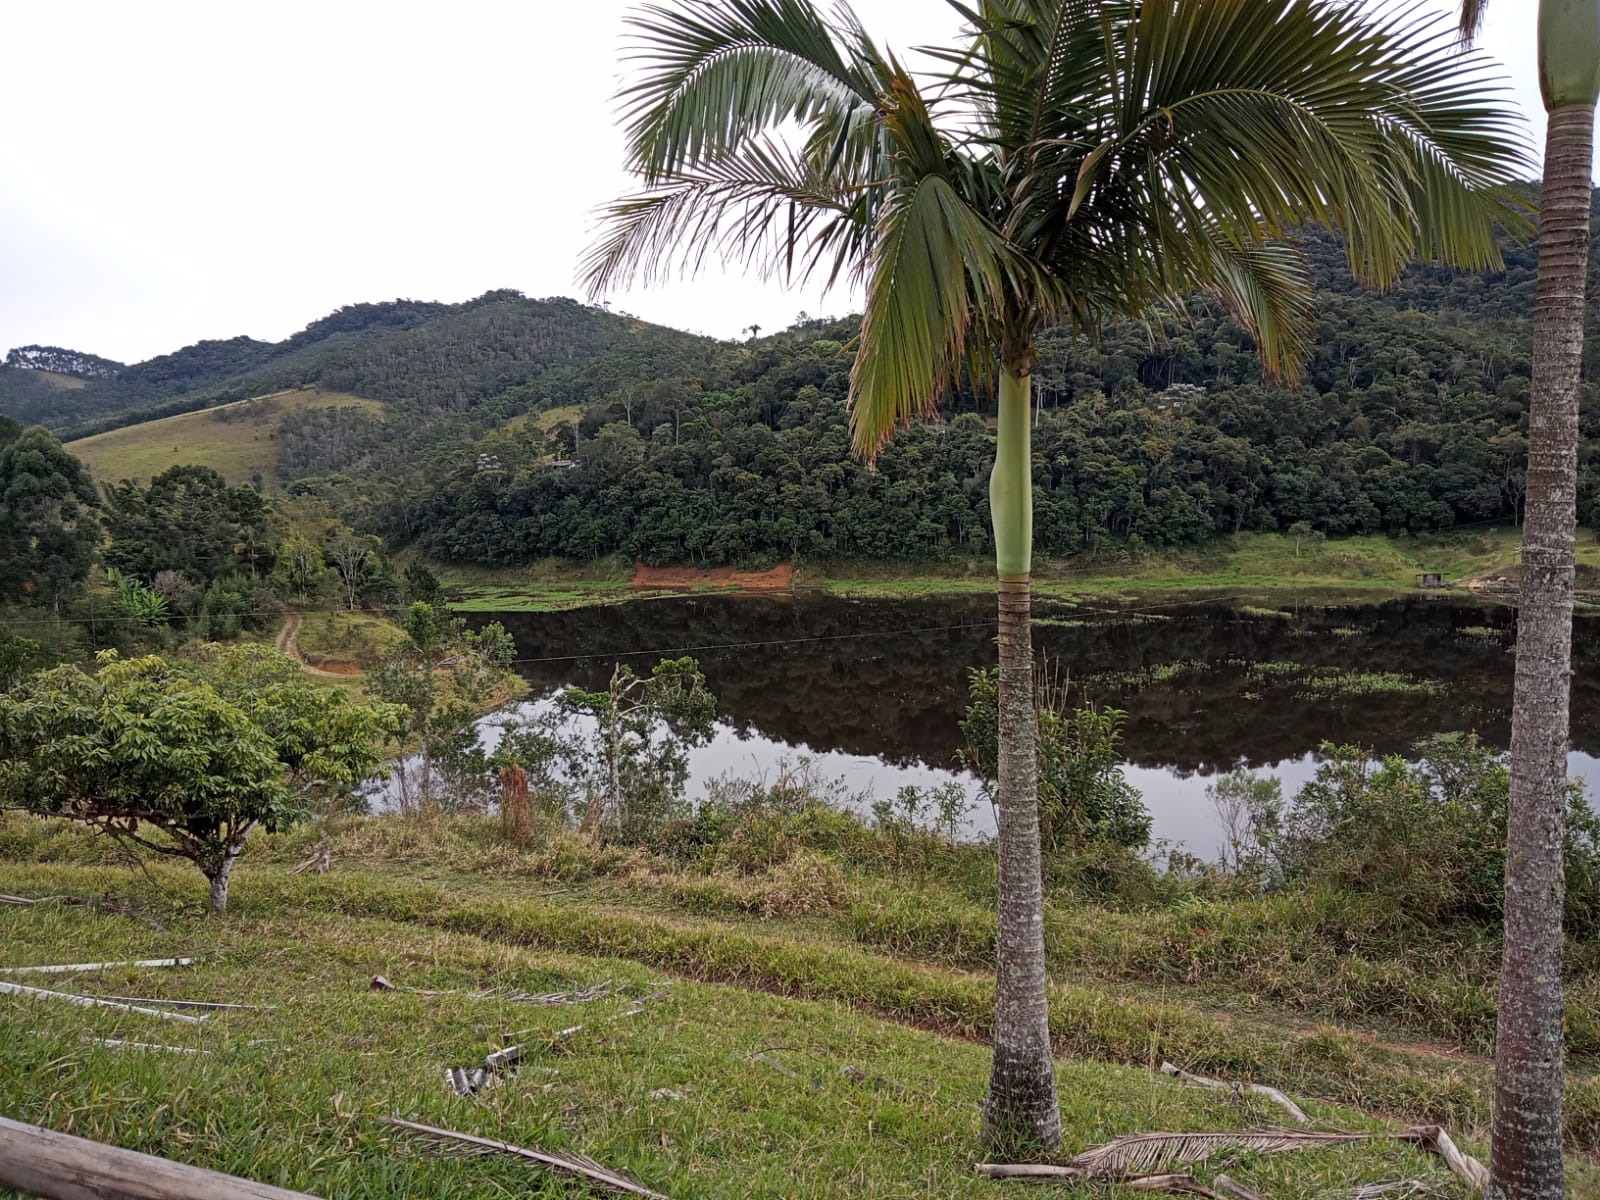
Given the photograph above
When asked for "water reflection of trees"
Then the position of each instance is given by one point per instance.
(888, 678)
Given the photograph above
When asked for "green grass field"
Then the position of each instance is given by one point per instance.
(70, 383)
(545, 420)
(886, 1056)
(239, 440)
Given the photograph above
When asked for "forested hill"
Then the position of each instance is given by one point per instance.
(427, 356)
(518, 429)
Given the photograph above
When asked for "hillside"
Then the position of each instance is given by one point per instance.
(1411, 417)
(241, 440)
(430, 357)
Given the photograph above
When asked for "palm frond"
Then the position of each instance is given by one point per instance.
(1266, 289)
(936, 266)
(578, 1166)
(1472, 14)
(1151, 1153)
(762, 206)
(716, 72)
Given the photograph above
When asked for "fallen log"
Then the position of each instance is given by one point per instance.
(58, 1166)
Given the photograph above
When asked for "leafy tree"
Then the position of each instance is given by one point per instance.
(1083, 796)
(354, 558)
(1078, 162)
(301, 567)
(203, 752)
(422, 584)
(635, 770)
(18, 655)
(144, 606)
(1527, 1161)
(49, 524)
(443, 677)
(1249, 808)
(188, 520)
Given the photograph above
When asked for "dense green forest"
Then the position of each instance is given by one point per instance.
(520, 429)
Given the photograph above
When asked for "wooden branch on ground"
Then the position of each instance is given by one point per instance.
(58, 1166)
(17, 989)
(77, 968)
(1296, 1113)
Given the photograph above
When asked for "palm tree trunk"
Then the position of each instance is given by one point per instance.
(1529, 1062)
(1021, 1112)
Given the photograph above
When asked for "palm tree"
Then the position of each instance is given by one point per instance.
(1071, 161)
(1529, 1048)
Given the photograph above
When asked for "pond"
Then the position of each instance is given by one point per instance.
(873, 690)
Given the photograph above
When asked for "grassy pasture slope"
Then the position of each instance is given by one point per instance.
(238, 439)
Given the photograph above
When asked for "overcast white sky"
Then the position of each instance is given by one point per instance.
(178, 171)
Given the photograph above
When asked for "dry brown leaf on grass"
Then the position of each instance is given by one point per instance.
(578, 1166)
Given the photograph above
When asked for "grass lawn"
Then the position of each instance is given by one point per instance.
(238, 440)
(290, 1093)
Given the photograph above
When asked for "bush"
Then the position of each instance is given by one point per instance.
(1428, 838)
(1083, 797)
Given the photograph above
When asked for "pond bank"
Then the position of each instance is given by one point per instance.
(1253, 564)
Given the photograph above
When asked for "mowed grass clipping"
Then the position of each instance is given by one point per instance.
(237, 440)
(290, 1093)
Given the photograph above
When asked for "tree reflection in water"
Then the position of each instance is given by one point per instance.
(885, 680)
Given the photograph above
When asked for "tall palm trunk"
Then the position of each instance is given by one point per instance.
(1021, 1112)
(1529, 1046)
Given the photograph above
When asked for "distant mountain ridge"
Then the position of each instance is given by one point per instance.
(427, 354)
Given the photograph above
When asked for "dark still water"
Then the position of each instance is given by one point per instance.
(872, 690)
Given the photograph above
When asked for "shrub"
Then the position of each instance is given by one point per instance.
(1083, 797)
(1429, 838)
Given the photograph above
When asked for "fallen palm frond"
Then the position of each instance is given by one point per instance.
(1148, 1155)
(1296, 1113)
(1235, 1189)
(1399, 1189)
(1163, 1181)
(505, 995)
(578, 1166)
(208, 1005)
(1463, 1165)
(856, 1075)
(1145, 1153)
(76, 968)
(767, 1060)
(17, 989)
(118, 1043)
(321, 861)
(1176, 1185)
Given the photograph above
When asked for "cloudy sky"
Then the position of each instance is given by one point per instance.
(178, 171)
